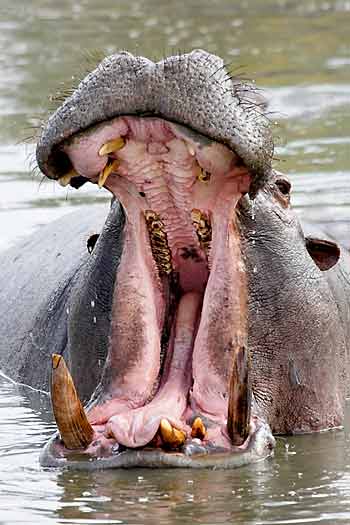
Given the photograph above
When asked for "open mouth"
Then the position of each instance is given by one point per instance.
(176, 383)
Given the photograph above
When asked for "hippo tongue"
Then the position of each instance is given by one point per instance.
(179, 309)
(138, 427)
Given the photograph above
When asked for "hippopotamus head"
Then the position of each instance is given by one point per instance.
(210, 333)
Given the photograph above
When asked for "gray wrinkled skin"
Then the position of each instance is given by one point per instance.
(47, 284)
(299, 319)
(194, 89)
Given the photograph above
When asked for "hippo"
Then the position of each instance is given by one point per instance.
(193, 317)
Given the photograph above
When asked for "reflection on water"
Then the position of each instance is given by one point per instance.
(300, 52)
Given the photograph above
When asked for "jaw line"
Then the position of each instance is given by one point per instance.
(260, 446)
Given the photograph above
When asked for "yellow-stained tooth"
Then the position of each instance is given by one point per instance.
(172, 437)
(105, 173)
(65, 179)
(198, 429)
(196, 215)
(111, 146)
(203, 176)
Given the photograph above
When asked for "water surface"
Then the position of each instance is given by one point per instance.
(300, 53)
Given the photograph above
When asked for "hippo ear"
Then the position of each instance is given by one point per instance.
(324, 253)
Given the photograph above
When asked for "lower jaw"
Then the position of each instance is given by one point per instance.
(196, 381)
(259, 446)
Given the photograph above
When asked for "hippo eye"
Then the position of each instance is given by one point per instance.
(284, 186)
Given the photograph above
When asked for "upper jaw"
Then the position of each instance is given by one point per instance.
(193, 89)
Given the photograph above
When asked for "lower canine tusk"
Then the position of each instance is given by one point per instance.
(240, 397)
(75, 430)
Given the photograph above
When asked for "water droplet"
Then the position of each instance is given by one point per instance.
(67, 311)
(115, 448)
(95, 320)
(255, 270)
(241, 267)
(253, 210)
(92, 304)
(253, 242)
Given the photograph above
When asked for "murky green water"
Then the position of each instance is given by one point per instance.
(300, 52)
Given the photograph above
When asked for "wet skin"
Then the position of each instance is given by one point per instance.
(202, 318)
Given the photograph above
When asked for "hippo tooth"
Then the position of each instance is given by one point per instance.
(111, 146)
(105, 173)
(159, 242)
(239, 405)
(201, 223)
(198, 429)
(65, 179)
(203, 176)
(191, 150)
(75, 430)
(172, 437)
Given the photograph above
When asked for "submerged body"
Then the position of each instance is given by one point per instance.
(202, 315)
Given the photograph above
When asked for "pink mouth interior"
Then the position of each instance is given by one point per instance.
(177, 316)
